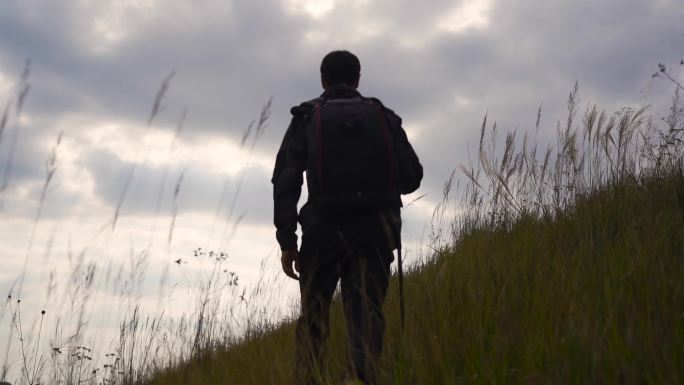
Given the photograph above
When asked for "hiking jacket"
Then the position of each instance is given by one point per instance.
(291, 163)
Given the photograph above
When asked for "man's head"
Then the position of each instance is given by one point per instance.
(340, 67)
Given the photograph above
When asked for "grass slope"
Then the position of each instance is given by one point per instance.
(593, 296)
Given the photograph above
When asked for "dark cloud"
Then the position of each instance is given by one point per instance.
(227, 68)
(231, 57)
(24, 152)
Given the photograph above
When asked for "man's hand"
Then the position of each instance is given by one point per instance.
(286, 259)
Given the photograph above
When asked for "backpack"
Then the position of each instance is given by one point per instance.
(350, 155)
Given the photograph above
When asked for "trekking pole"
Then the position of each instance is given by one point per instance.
(401, 285)
(400, 268)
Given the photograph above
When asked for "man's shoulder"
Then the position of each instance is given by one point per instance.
(388, 110)
(305, 108)
(391, 115)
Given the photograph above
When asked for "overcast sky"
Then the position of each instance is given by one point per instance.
(96, 67)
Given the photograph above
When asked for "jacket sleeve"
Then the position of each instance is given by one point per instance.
(409, 168)
(287, 183)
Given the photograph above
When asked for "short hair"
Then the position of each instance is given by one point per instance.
(340, 67)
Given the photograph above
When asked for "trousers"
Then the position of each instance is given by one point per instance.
(357, 252)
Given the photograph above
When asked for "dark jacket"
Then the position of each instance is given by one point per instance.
(291, 163)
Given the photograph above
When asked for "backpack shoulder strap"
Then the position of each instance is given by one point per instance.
(375, 101)
(391, 117)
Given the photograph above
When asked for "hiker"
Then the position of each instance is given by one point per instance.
(358, 161)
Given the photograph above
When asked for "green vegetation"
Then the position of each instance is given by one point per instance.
(567, 269)
(548, 266)
(593, 296)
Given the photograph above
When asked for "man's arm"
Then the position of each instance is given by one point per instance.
(410, 169)
(287, 184)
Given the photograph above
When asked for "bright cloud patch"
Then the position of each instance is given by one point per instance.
(5, 88)
(162, 147)
(467, 15)
(114, 22)
(313, 8)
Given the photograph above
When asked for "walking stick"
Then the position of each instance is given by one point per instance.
(402, 312)
(390, 238)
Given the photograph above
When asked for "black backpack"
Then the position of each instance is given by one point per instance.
(350, 155)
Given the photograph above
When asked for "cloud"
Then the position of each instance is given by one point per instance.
(106, 61)
(152, 187)
(442, 66)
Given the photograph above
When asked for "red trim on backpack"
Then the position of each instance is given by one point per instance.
(319, 148)
(388, 142)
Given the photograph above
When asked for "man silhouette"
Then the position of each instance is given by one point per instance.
(358, 161)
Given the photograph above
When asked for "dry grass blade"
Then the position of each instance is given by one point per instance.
(470, 173)
(174, 214)
(415, 200)
(157, 105)
(261, 125)
(156, 108)
(260, 128)
(23, 92)
(537, 124)
(165, 174)
(50, 169)
(3, 120)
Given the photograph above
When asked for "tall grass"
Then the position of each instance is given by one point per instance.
(73, 351)
(562, 265)
(546, 264)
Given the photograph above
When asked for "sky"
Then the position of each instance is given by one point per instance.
(96, 68)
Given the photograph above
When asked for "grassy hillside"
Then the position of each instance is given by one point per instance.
(550, 265)
(558, 267)
(593, 295)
